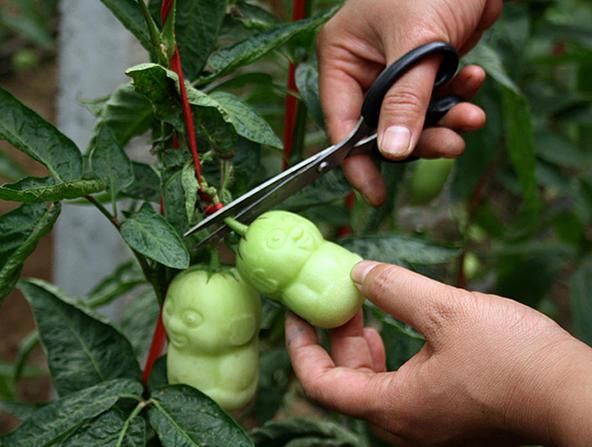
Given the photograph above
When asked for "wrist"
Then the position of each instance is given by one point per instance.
(569, 422)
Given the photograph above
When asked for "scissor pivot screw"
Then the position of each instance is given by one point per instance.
(323, 166)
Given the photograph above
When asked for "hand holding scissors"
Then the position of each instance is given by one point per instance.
(361, 140)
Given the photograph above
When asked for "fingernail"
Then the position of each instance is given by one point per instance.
(361, 269)
(395, 141)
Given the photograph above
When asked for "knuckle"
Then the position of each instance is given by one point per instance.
(401, 98)
(380, 280)
(451, 307)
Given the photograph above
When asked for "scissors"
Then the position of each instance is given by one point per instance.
(361, 140)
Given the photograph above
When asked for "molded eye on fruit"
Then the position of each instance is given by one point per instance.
(284, 256)
(212, 320)
(428, 179)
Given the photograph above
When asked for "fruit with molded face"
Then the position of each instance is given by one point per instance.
(285, 257)
(212, 321)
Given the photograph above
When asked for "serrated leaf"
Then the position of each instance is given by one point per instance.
(146, 184)
(109, 162)
(81, 349)
(36, 137)
(399, 249)
(110, 429)
(253, 48)
(302, 432)
(126, 112)
(53, 422)
(10, 169)
(185, 417)
(246, 122)
(151, 235)
(20, 231)
(307, 82)
(486, 57)
(48, 189)
(520, 144)
(328, 188)
(129, 14)
(581, 302)
(197, 28)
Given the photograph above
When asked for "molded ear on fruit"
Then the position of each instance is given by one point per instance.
(242, 329)
(262, 282)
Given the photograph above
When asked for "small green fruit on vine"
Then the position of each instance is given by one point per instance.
(428, 179)
(284, 256)
(212, 321)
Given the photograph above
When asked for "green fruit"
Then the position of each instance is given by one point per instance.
(285, 257)
(212, 321)
(428, 179)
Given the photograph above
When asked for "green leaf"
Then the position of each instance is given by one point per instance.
(30, 133)
(81, 350)
(110, 429)
(109, 162)
(197, 28)
(26, 347)
(328, 188)
(20, 410)
(581, 301)
(253, 48)
(20, 231)
(151, 235)
(246, 122)
(175, 201)
(10, 169)
(126, 112)
(307, 82)
(520, 144)
(137, 321)
(52, 423)
(252, 16)
(486, 57)
(124, 278)
(274, 378)
(160, 86)
(130, 15)
(168, 40)
(48, 189)
(399, 249)
(146, 184)
(302, 432)
(190, 191)
(185, 417)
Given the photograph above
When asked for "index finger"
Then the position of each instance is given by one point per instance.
(350, 391)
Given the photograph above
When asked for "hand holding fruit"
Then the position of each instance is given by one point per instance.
(492, 370)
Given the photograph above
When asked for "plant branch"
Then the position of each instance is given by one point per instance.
(104, 211)
(153, 31)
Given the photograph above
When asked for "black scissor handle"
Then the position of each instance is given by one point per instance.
(390, 75)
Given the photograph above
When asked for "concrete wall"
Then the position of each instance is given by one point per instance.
(94, 51)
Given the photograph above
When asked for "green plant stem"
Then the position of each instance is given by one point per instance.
(154, 33)
(104, 211)
(146, 269)
(141, 405)
(236, 226)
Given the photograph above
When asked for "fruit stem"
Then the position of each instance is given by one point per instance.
(236, 226)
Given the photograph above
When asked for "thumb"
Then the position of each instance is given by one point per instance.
(427, 305)
(403, 110)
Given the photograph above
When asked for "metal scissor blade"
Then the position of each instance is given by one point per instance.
(245, 201)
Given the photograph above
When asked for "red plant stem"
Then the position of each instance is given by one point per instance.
(291, 103)
(156, 348)
(159, 337)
